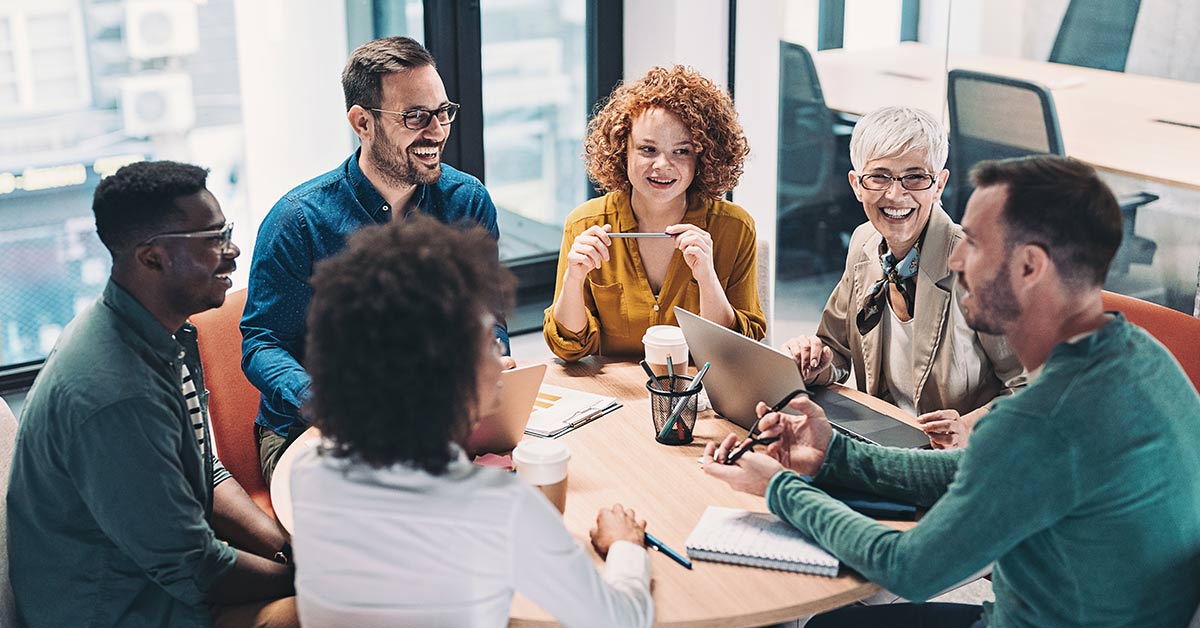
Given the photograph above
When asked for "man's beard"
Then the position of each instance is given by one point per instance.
(398, 168)
(996, 304)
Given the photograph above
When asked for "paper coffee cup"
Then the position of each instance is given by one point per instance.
(661, 341)
(543, 463)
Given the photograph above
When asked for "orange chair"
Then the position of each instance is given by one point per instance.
(1178, 332)
(233, 400)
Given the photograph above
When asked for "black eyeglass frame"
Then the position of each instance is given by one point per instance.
(931, 178)
(223, 236)
(449, 110)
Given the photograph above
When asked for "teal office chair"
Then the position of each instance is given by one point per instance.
(812, 208)
(997, 117)
(1096, 34)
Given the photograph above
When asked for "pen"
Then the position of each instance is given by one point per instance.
(633, 234)
(651, 375)
(662, 547)
(741, 449)
(678, 409)
(732, 457)
(671, 371)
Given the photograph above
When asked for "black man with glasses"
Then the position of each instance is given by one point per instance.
(120, 514)
(397, 105)
(895, 315)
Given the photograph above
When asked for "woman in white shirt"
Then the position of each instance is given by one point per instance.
(393, 524)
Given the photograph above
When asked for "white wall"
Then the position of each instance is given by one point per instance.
(292, 108)
(669, 32)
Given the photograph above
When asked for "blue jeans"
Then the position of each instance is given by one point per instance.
(936, 615)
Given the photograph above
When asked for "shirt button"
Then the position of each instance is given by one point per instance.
(655, 307)
(386, 208)
(182, 355)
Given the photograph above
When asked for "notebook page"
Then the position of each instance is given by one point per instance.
(755, 534)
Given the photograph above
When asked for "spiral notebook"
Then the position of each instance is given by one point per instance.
(756, 539)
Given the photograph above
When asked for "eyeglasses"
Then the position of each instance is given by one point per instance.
(222, 237)
(417, 119)
(911, 182)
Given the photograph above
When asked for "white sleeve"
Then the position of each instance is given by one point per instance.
(556, 572)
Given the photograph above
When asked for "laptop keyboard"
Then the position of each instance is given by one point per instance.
(846, 432)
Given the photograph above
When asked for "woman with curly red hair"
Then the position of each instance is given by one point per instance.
(665, 149)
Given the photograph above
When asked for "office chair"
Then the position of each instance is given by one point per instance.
(1096, 34)
(1177, 331)
(998, 117)
(233, 400)
(811, 168)
(8, 440)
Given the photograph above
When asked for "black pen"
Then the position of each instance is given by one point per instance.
(733, 456)
(662, 547)
(738, 451)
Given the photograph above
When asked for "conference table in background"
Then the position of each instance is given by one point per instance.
(1140, 126)
(615, 459)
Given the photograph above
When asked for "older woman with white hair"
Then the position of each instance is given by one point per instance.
(895, 316)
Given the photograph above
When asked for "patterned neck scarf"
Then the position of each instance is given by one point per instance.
(902, 273)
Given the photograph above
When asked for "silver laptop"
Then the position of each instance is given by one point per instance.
(502, 427)
(744, 372)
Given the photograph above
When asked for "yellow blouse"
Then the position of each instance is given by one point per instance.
(620, 304)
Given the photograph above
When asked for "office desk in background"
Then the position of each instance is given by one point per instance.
(616, 460)
(1111, 120)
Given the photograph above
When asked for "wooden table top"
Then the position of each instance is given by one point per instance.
(615, 459)
(1112, 120)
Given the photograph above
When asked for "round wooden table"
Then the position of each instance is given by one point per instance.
(615, 459)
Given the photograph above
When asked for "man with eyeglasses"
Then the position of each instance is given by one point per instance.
(397, 105)
(896, 316)
(119, 512)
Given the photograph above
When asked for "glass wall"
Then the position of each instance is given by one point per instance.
(1131, 116)
(535, 115)
(87, 86)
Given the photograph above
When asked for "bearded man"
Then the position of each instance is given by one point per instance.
(397, 105)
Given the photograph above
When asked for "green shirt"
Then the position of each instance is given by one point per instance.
(1084, 489)
(110, 497)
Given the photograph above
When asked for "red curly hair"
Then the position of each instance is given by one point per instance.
(706, 110)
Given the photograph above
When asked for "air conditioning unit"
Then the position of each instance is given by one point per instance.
(161, 28)
(154, 104)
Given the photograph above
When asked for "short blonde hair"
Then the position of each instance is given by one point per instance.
(708, 112)
(894, 131)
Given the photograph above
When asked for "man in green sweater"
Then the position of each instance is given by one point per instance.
(1081, 488)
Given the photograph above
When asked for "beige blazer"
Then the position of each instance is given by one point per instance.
(953, 366)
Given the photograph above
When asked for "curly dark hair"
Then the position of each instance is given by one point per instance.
(1062, 205)
(394, 332)
(138, 201)
(703, 107)
(362, 78)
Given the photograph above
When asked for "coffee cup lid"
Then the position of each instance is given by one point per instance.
(541, 451)
(663, 335)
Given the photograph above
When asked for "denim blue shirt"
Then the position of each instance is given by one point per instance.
(307, 225)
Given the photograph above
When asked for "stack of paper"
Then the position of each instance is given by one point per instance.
(557, 410)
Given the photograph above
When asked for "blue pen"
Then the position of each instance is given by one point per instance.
(662, 547)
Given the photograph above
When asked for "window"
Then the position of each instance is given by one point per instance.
(143, 80)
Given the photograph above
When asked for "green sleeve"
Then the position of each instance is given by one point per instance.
(1010, 483)
(125, 464)
(917, 476)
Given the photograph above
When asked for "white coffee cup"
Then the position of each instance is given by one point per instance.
(543, 463)
(664, 340)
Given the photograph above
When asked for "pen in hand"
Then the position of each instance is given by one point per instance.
(737, 452)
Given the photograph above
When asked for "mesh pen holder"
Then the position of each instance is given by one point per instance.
(663, 397)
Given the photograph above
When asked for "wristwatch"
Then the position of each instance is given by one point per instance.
(284, 554)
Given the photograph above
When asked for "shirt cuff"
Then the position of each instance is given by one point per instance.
(781, 477)
(627, 561)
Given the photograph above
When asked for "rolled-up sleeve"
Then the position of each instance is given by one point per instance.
(564, 343)
(125, 462)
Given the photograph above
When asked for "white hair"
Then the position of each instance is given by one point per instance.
(893, 131)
